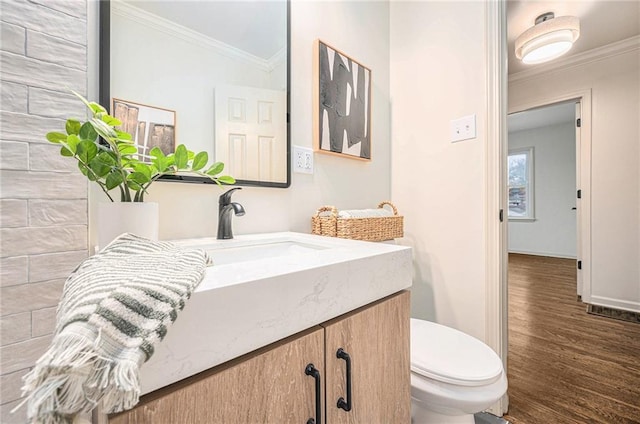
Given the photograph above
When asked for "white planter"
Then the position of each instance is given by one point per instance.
(115, 218)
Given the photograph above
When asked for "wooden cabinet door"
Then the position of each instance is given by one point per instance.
(268, 386)
(376, 338)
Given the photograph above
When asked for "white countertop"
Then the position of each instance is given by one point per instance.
(240, 307)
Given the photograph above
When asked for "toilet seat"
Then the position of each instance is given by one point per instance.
(450, 356)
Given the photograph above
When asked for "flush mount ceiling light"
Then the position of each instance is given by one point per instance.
(550, 38)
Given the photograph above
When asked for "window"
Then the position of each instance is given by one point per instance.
(521, 184)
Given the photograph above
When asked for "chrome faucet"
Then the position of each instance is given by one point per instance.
(225, 209)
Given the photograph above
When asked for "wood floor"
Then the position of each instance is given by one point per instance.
(564, 365)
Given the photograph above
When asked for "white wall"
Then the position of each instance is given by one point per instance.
(553, 232)
(438, 73)
(615, 175)
(190, 210)
(361, 30)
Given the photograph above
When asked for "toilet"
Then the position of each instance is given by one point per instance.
(453, 375)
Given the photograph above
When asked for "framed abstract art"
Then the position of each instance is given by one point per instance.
(342, 104)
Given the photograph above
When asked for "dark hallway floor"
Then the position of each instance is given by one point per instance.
(564, 365)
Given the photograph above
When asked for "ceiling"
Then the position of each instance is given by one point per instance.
(541, 117)
(257, 27)
(602, 22)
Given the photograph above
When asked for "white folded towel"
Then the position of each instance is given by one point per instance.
(365, 213)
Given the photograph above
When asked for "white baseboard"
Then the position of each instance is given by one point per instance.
(625, 305)
(549, 254)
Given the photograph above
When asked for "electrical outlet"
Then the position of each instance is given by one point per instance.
(463, 128)
(302, 160)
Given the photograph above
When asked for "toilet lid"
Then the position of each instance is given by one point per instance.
(451, 356)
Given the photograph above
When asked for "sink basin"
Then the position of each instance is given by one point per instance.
(265, 287)
(222, 254)
(273, 252)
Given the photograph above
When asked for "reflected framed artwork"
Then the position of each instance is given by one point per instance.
(342, 104)
(149, 126)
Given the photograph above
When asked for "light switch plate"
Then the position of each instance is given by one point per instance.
(463, 128)
(302, 160)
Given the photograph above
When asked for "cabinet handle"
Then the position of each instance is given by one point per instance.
(342, 404)
(313, 372)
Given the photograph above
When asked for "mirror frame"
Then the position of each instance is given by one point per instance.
(104, 95)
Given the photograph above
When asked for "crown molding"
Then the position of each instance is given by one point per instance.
(278, 58)
(143, 17)
(593, 55)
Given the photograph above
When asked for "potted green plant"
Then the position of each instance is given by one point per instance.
(109, 157)
(116, 163)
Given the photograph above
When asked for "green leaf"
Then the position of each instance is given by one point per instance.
(159, 159)
(226, 179)
(157, 152)
(69, 145)
(110, 120)
(103, 129)
(181, 157)
(96, 108)
(86, 151)
(138, 177)
(127, 149)
(114, 179)
(87, 132)
(56, 137)
(81, 97)
(99, 167)
(86, 172)
(199, 161)
(73, 127)
(83, 169)
(136, 180)
(133, 185)
(124, 136)
(215, 169)
(72, 143)
(64, 151)
(143, 168)
(127, 161)
(108, 158)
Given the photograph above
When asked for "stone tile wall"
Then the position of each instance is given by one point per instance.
(43, 198)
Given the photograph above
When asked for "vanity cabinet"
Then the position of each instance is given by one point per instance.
(276, 385)
(376, 338)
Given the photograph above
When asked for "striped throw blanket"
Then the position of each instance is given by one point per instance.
(115, 307)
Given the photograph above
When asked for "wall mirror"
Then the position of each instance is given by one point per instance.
(213, 75)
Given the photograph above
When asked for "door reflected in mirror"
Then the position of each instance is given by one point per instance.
(222, 66)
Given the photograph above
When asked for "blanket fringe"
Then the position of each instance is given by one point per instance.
(115, 306)
(71, 378)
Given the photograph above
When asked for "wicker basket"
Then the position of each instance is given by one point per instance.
(369, 229)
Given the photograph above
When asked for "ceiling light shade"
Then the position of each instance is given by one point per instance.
(548, 39)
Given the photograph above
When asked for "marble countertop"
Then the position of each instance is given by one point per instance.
(242, 306)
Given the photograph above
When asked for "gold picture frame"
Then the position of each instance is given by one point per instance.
(149, 126)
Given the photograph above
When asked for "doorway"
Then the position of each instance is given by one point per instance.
(497, 296)
(581, 222)
(542, 186)
(579, 197)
